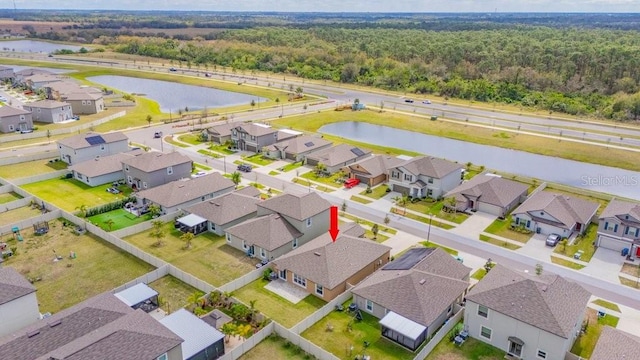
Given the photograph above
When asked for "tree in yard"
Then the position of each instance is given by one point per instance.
(154, 210)
(320, 169)
(539, 269)
(451, 203)
(488, 265)
(244, 331)
(109, 223)
(290, 87)
(343, 207)
(180, 112)
(386, 220)
(157, 232)
(82, 210)
(229, 330)
(149, 119)
(236, 177)
(381, 106)
(187, 238)
(194, 299)
(563, 245)
(277, 100)
(49, 135)
(186, 109)
(481, 168)
(401, 201)
(469, 164)
(374, 230)
(252, 103)
(299, 91)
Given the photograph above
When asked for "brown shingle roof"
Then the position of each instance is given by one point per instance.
(153, 161)
(6, 111)
(329, 263)
(184, 190)
(301, 144)
(614, 344)
(491, 190)
(548, 302)
(377, 164)
(299, 207)
(226, 208)
(338, 154)
(430, 166)
(13, 285)
(268, 232)
(620, 208)
(568, 210)
(80, 141)
(439, 262)
(101, 165)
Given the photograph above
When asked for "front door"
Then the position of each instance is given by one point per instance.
(515, 349)
(252, 250)
(283, 274)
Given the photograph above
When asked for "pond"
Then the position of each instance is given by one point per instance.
(594, 177)
(33, 46)
(173, 96)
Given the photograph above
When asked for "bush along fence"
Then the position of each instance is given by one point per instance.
(97, 210)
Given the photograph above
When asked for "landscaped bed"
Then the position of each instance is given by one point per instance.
(30, 168)
(15, 215)
(97, 267)
(9, 197)
(117, 219)
(174, 294)
(332, 180)
(209, 258)
(71, 194)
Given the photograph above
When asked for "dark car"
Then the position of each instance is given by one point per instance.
(157, 134)
(173, 69)
(244, 168)
(410, 101)
(553, 240)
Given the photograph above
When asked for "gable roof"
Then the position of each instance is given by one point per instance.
(255, 129)
(197, 334)
(330, 263)
(568, 210)
(46, 104)
(299, 207)
(614, 344)
(98, 328)
(77, 142)
(338, 154)
(268, 232)
(6, 111)
(377, 164)
(153, 161)
(13, 285)
(548, 302)
(301, 144)
(221, 129)
(620, 208)
(101, 165)
(184, 190)
(226, 208)
(490, 189)
(81, 95)
(430, 166)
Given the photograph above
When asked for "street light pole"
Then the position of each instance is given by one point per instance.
(429, 229)
(224, 162)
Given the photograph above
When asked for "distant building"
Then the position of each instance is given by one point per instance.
(619, 227)
(372, 170)
(18, 302)
(219, 134)
(14, 119)
(49, 111)
(84, 102)
(6, 72)
(490, 194)
(253, 137)
(297, 148)
(83, 147)
(337, 157)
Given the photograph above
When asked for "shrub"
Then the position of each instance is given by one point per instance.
(109, 207)
(266, 274)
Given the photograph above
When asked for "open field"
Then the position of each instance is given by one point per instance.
(173, 292)
(98, 266)
(117, 219)
(274, 347)
(70, 194)
(209, 258)
(30, 168)
(9, 197)
(21, 213)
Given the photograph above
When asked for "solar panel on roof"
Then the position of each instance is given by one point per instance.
(409, 259)
(95, 140)
(357, 152)
(308, 144)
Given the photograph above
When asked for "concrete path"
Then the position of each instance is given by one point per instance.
(474, 225)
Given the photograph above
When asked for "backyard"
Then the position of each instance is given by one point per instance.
(30, 168)
(472, 349)
(9, 197)
(97, 267)
(586, 342)
(15, 215)
(502, 228)
(278, 308)
(583, 244)
(117, 219)
(332, 334)
(275, 347)
(172, 292)
(435, 208)
(210, 259)
(71, 194)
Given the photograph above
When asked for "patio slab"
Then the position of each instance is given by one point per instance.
(292, 293)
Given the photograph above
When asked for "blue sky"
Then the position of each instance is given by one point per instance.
(341, 5)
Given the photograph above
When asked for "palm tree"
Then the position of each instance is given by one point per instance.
(252, 103)
(154, 210)
(187, 237)
(194, 298)
(149, 119)
(402, 202)
(82, 210)
(299, 91)
(229, 329)
(109, 223)
(236, 177)
(320, 169)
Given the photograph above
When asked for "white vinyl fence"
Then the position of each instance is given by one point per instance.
(304, 344)
(249, 344)
(26, 158)
(147, 278)
(190, 279)
(440, 334)
(40, 177)
(15, 204)
(322, 312)
(244, 280)
(27, 223)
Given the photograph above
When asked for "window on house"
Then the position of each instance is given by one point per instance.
(485, 332)
(84, 102)
(631, 231)
(244, 136)
(102, 147)
(294, 243)
(144, 184)
(39, 110)
(542, 354)
(228, 236)
(244, 245)
(129, 180)
(430, 180)
(429, 192)
(263, 254)
(88, 102)
(253, 137)
(21, 117)
(11, 128)
(407, 177)
(308, 222)
(450, 308)
(369, 305)
(235, 133)
(283, 274)
(300, 280)
(395, 175)
(319, 290)
(170, 170)
(517, 220)
(163, 357)
(483, 311)
(126, 168)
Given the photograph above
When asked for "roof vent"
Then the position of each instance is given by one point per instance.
(544, 288)
(33, 333)
(423, 281)
(55, 323)
(316, 253)
(181, 185)
(159, 154)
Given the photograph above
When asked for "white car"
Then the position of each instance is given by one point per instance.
(198, 174)
(426, 102)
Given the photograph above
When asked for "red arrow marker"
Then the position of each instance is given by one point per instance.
(333, 227)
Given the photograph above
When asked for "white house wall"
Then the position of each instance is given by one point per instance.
(18, 313)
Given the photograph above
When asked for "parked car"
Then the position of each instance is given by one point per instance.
(76, 117)
(553, 240)
(426, 102)
(244, 168)
(172, 69)
(410, 101)
(198, 174)
(350, 183)
(157, 134)
(207, 75)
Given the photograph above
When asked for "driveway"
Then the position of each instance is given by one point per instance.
(605, 264)
(474, 225)
(537, 249)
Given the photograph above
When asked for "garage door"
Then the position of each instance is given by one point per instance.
(401, 189)
(312, 162)
(290, 156)
(252, 148)
(363, 179)
(612, 244)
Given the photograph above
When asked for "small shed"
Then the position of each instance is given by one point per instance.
(192, 223)
(201, 341)
(217, 319)
(402, 330)
(139, 296)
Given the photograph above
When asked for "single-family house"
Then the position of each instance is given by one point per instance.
(78, 148)
(49, 111)
(283, 223)
(414, 295)
(525, 315)
(337, 157)
(490, 194)
(6, 72)
(84, 102)
(154, 169)
(18, 301)
(253, 136)
(619, 227)
(547, 213)
(38, 81)
(373, 170)
(21, 75)
(220, 133)
(102, 327)
(326, 268)
(14, 119)
(614, 344)
(425, 176)
(201, 340)
(101, 170)
(297, 148)
(227, 210)
(180, 194)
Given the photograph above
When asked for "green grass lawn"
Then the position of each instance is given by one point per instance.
(275, 347)
(472, 349)
(221, 148)
(210, 153)
(380, 238)
(327, 180)
(30, 168)
(274, 173)
(69, 194)
(446, 249)
(585, 244)
(479, 274)
(9, 197)
(258, 159)
(209, 258)
(120, 217)
(309, 184)
(423, 219)
(15, 215)
(630, 283)
(340, 339)
(193, 138)
(171, 141)
(606, 304)
(98, 266)
(566, 263)
(435, 208)
(368, 223)
(377, 192)
(360, 200)
(199, 166)
(291, 166)
(172, 292)
(502, 228)
(504, 244)
(277, 308)
(586, 342)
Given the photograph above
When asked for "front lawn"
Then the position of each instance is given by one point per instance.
(224, 149)
(210, 153)
(333, 180)
(15, 215)
(117, 219)
(446, 249)
(435, 208)
(311, 185)
(98, 266)
(586, 342)
(275, 347)
(209, 258)
(172, 292)
(472, 349)
(9, 197)
(606, 304)
(30, 168)
(502, 228)
(377, 192)
(581, 243)
(70, 194)
(340, 339)
(504, 244)
(479, 274)
(258, 159)
(566, 263)
(423, 219)
(359, 199)
(291, 166)
(273, 173)
(277, 308)
(368, 223)
(193, 138)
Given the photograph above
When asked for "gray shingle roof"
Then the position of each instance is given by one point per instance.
(299, 207)
(439, 262)
(13, 285)
(568, 210)
(81, 95)
(226, 208)
(221, 129)
(253, 129)
(548, 302)
(615, 344)
(184, 190)
(153, 161)
(268, 232)
(301, 144)
(620, 208)
(101, 165)
(430, 166)
(376, 165)
(338, 154)
(6, 111)
(46, 104)
(331, 263)
(491, 190)
(80, 141)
